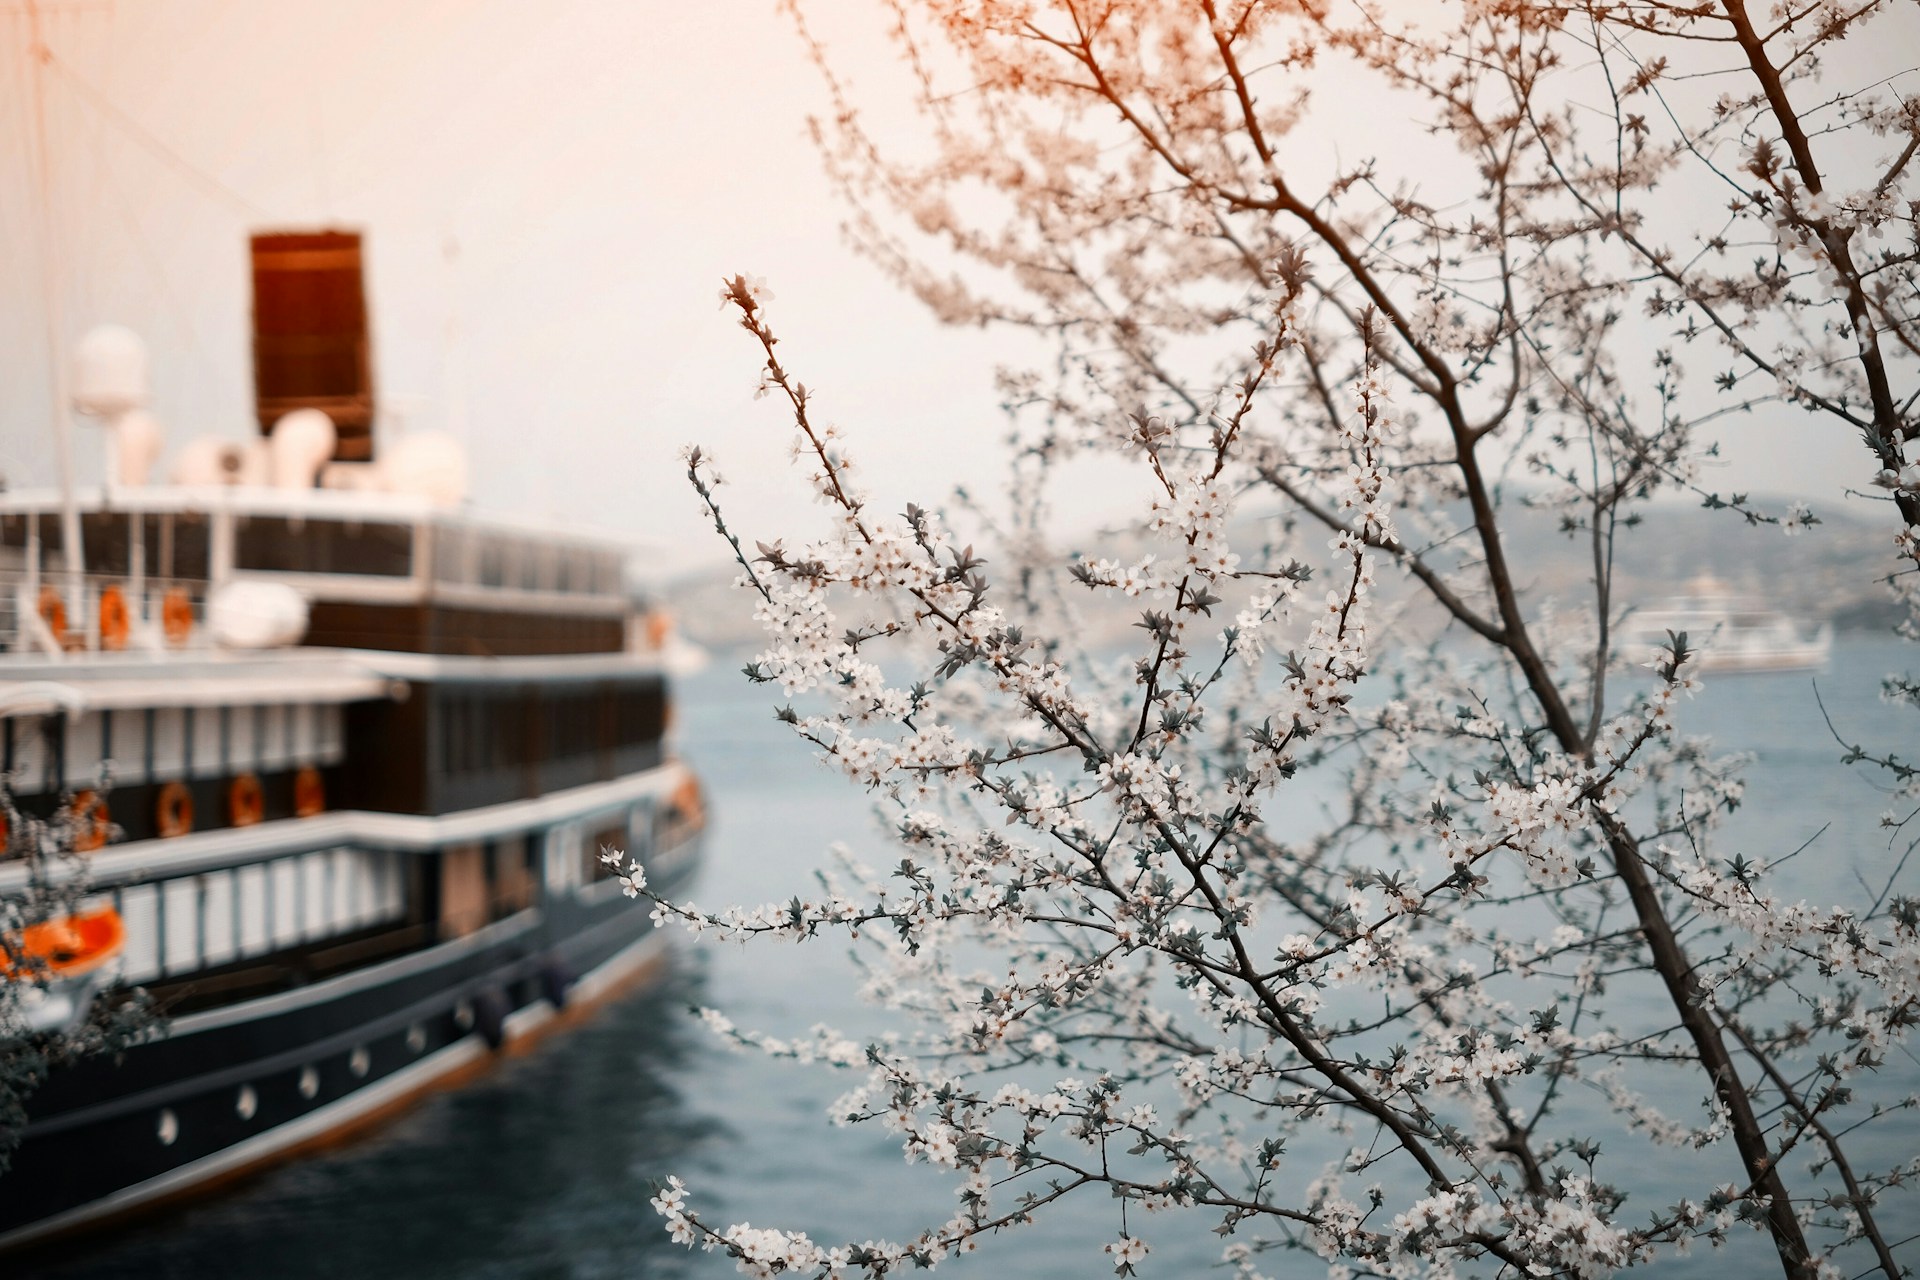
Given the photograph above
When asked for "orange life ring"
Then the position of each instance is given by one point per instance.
(114, 618)
(309, 792)
(53, 612)
(687, 801)
(173, 810)
(659, 626)
(176, 616)
(245, 803)
(72, 945)
(92, 824)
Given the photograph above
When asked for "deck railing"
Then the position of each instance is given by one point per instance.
(192, 923)
(112, 613)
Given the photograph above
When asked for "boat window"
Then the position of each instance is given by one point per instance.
(493, 563)
(108, 540)
(463, 890)
(451, 555)
(519, 565)
(592, 868)
(453, 735)
(174, 546)
(560, 858)
(640, 829)
(13, 545)
(46, 526)
(492, 740)
(511, 879)
(275, 544)
(583, 571)
(642, 712)
(177, 545)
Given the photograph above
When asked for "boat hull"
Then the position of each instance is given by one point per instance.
(236, 1088)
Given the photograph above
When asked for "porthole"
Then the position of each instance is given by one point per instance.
(247, 1103)
(309, 1083)
(360, 1061)
(416, 1038)
(169, 1127)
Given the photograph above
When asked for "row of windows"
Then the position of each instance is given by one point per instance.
(178, 546)
(49, 754)
(274, 544)
(480, 729)
(467, 558)
(172, 546)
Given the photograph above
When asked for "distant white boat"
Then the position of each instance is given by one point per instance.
(1729, 633)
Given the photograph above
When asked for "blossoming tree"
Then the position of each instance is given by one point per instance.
(31, 1043)
(1357, 269)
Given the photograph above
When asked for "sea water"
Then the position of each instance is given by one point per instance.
(543, 1167)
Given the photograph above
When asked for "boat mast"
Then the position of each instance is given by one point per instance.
(39, 55)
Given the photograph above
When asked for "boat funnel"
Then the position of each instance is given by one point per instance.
(311, 348)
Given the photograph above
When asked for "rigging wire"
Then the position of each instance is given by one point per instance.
(19, 225)
(127, 211)
(38, 57)
(108, 116)
(208, 184)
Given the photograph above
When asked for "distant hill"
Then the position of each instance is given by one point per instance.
(1830, 572)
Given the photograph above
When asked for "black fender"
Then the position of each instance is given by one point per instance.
(490, 1010)
(556, 981)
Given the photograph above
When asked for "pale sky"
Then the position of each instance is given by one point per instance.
(551, 194)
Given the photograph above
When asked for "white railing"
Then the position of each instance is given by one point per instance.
(183, 925)
(39, 615)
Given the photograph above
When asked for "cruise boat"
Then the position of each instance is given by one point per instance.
(1729, 633)
(340, 760)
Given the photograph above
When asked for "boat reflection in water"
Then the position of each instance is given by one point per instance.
(1729, 633)
(349, 757)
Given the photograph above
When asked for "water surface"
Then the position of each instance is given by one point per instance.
(542, 1168)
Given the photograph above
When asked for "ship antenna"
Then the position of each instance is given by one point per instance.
(39, 56)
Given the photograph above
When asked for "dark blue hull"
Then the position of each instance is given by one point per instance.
(230, 1089)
